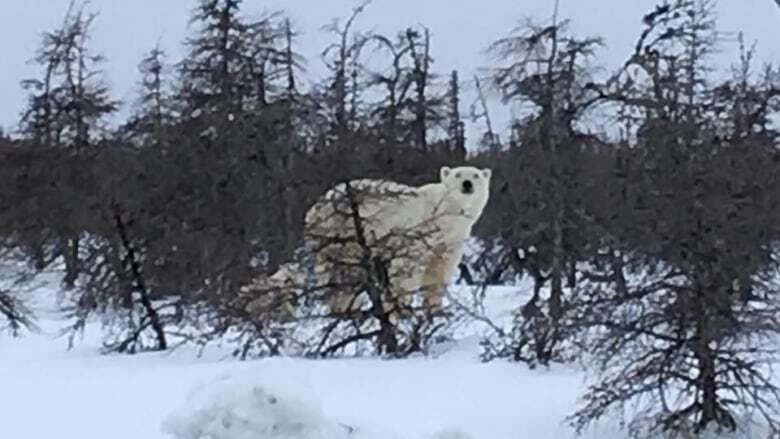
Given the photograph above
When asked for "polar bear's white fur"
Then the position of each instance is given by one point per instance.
(273, 295)
(421, 230)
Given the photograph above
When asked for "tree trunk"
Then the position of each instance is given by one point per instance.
(556, 280)
(39, 256)
(465, 274)
(705, 361)
(140, 285)
(71, 255)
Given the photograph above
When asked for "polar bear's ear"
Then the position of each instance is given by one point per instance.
(487, 173)
(444, 172)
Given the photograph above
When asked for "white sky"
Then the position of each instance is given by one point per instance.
(461, 29)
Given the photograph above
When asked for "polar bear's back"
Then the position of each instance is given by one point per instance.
(369, 187)
(381, 204)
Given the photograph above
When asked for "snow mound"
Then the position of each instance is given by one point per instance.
(252, 413)
(233, 408)
(452, 434)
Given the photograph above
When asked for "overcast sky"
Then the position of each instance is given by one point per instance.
(461, 29)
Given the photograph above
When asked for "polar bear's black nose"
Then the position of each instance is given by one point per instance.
(468, 187)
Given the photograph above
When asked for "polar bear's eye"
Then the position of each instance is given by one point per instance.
(457, 175)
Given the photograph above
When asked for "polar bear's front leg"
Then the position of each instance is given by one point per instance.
(405, 278)
(438, 273)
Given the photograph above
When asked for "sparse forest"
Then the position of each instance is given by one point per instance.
(653, 247)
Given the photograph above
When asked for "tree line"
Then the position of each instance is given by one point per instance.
(651, 246)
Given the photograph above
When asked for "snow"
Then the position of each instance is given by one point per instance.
(238, 412)
(51, 392)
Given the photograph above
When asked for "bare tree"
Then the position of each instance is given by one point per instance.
(678, 316)
(358, 274)
(456, 132)
(15, 316)
(155, 104)
(479, 110)
(68, 105)
(342, 67)
(548, 68)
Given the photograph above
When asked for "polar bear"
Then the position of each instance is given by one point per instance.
(420, 230)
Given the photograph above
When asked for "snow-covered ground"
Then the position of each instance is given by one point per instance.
(49, 392)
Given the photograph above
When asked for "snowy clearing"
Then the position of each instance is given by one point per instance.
(51, 392)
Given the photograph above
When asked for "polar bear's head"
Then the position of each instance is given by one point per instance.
(467, 186)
